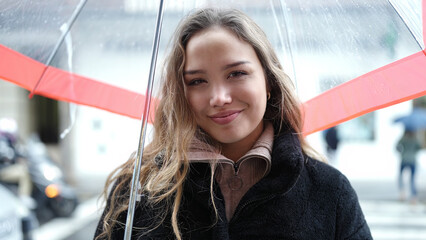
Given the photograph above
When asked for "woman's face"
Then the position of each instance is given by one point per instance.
(225, 86)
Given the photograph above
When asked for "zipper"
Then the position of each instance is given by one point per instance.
(266, 198)
(240, 208)
(236, 167)
(237, 164)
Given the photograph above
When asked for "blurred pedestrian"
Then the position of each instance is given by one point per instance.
(332, 140)
(228, 159)
(408, 147)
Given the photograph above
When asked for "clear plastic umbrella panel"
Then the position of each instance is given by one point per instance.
(346, 57)
(98, 53)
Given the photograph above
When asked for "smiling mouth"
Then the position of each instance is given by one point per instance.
(225, 117)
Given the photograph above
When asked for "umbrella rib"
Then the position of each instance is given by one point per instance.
(139, 156)
(287, 39)
(60, 41)
(406, 25)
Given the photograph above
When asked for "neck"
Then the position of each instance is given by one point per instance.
(236, 150)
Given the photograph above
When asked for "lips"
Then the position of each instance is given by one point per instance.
(225, 117)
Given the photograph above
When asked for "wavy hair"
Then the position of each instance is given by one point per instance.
(175, 125)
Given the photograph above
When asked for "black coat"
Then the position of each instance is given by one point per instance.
(300, 198)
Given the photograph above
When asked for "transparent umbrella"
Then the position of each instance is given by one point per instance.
(104, 58)
(346, 57)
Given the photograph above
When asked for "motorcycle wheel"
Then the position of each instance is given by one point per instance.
(63, 207)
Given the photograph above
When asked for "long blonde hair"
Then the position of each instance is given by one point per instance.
(165, 163)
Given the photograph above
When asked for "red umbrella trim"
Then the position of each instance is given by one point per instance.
(65, 86)
(399, 81)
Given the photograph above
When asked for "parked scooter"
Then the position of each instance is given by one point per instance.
(52, 196)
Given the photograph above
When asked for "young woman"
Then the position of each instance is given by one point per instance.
(228, 160)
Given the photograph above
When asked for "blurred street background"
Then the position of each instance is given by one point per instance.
(87, 143)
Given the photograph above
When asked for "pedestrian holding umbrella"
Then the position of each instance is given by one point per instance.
(408, 147)
(414, 121)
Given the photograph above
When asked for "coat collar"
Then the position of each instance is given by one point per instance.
(287, 164)
(200, 151)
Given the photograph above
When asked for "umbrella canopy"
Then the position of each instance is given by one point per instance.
(414, 121)
(100, 62)
(346, 57)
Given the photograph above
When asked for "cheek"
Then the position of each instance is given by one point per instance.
(257, 93)
(193, 101)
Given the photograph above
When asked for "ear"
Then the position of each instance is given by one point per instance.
(268, 85)
(267, 80)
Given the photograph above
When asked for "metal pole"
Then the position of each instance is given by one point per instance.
(139, 156)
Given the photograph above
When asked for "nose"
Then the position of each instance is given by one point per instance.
(220, 96)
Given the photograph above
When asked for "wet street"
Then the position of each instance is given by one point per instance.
(86, 232)
(393, 220)
(80, 226)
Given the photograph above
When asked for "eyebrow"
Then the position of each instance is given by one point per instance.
(235, 64)
(189, 72)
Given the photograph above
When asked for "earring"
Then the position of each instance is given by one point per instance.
(268, 95)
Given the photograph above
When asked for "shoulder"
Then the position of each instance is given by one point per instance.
(323, 173)
(337, 190)
(326, 197)
(329, 182)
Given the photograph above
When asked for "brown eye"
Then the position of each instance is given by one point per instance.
(237, 74)
(196, 82)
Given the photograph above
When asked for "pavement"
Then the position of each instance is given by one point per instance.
(394, 220)
(81, 225)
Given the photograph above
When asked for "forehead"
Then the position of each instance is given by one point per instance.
(214, 40)
(212, 33)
